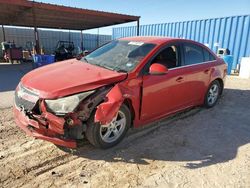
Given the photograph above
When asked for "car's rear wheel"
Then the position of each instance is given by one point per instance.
(212, 94)
(106, 136)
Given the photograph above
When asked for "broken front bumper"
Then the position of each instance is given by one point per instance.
(49, 128)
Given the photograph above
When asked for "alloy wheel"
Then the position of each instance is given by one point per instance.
(213, 94)
(111, 132)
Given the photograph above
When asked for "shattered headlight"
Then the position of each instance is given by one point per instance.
(66, 104)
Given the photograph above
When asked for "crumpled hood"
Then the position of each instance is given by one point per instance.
(69, 77)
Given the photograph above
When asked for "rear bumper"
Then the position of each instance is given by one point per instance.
(45, 130)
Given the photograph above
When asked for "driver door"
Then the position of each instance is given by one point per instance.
(163, 94)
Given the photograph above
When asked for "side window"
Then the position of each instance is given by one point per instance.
(208, 56)
(167, 57)
(192, 54)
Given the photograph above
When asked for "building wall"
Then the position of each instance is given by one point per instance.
(49, 38)
(227, 32)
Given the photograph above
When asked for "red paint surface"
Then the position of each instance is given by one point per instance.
(68, 77)
(150, 97)
(107, 110)
(158, 68)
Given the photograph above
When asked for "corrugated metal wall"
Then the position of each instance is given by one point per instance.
(49, 39)
(227, 32)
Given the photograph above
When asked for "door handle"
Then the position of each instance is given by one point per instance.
(179, 79)
(206, 71)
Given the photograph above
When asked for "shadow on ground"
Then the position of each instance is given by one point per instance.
(198, 138)
(10, 75)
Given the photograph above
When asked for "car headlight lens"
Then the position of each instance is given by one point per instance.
(66, 104)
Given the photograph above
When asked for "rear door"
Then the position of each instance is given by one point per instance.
(197, 67)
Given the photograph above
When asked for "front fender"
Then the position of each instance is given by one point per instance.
(107, 110)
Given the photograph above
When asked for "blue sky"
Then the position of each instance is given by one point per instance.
(161, 11)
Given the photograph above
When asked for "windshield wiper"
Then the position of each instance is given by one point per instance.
(106, 67)
(114, 69)
(109, 68)
(103, 66)
(120, 70)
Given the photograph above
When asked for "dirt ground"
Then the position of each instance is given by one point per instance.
(198, 148)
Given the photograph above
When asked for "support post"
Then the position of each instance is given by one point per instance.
(81, 42)
(138, 27)
(4, 38)
(69, 36)
(37, 43)
(97, 40)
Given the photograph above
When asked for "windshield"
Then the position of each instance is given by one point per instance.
(119, 55)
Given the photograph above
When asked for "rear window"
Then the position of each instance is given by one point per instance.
(194, 54)
(208, 56)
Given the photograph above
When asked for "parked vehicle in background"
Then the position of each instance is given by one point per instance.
(64, 50)
(127, 82)
(11, 52)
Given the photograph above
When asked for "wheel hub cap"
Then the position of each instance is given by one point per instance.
(213, 94)
(113, 131)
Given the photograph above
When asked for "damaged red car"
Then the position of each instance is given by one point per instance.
(126, 83)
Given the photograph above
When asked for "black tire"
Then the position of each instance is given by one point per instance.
(208, 103)
(93, 130)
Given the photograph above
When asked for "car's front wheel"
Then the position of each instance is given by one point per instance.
(106, 136)
(212, 94)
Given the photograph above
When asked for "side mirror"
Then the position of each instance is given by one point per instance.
(158, 69)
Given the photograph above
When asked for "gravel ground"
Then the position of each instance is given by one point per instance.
(197, 148)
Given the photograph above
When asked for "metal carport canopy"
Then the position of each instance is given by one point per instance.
(42, 15)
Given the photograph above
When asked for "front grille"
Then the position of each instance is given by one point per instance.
(25, 98)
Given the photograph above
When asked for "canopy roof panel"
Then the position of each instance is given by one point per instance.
(42, 15)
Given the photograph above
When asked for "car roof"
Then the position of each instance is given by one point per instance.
(163, 40)
(155, 39)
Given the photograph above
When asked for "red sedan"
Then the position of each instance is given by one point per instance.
(126, 83)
